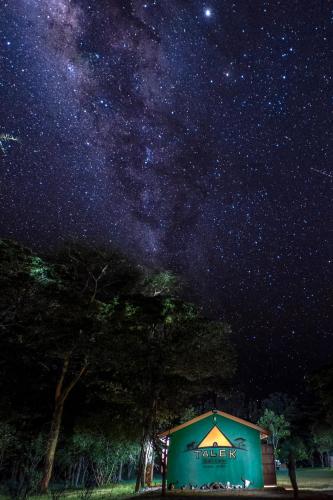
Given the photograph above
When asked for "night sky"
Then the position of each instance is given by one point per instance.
(195, 136)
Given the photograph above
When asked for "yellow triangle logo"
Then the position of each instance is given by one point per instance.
(215, 438)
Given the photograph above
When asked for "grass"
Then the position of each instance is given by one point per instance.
(118, 491)
(308, 478)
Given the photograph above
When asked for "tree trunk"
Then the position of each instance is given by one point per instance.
(120, 471)
(78, 474)
(71, 479)
(84, 475)
(14, 471)
(52, 445)
(292, 473)
(146, 436)
(164, 465)
(61, 395)
(141, 466)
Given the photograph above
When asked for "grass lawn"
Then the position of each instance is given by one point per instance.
(308, 478)
(125, 489)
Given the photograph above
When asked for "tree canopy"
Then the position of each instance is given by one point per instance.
(89, 324)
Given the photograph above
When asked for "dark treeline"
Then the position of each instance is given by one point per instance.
(97, 356)
(301, 424)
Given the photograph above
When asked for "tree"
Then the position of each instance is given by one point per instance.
(90, 283)
(162, 348)
(8, 441)
(322, 383)
(293, 449)
(51, 311)
(281, 404)
(277, 425)
(5, 139)
(22, 278)
(162, 283)
(297, 446)
(85, 320)
(322, 440)
(291, 464)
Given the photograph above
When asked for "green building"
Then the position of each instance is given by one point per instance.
(217, 448)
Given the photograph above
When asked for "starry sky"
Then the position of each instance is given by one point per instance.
(195, 136)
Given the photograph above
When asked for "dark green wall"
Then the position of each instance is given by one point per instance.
(186, 466)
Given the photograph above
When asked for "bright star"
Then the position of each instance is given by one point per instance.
(208, 12)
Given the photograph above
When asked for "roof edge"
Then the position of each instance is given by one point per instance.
(263, 432)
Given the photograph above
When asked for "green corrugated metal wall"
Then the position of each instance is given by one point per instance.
(187, 465)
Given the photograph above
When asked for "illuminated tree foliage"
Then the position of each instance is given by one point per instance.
(5, 139)
(322, 440)
(84, 322)
(277, 425)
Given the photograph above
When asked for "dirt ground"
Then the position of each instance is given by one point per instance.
(274, 493)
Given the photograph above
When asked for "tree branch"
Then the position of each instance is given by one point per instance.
(96, 280)
(74, 382)
(62, 377)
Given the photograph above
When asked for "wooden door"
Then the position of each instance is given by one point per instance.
(268, 464)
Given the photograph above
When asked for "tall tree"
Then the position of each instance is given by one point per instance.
(281, 404)
(277, 425)
(89, 290)
(322, 440)
(87, 315)
(56, 316)
(166, 357)
(322, 383)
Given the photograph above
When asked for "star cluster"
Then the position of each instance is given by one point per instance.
(194, 136)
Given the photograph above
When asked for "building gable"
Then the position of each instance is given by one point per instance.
(263, 432)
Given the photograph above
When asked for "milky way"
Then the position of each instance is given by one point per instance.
(195, 136)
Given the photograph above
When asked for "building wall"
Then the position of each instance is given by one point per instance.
(188, 464)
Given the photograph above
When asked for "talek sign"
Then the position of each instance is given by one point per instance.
(220, 446)
(220, 453)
